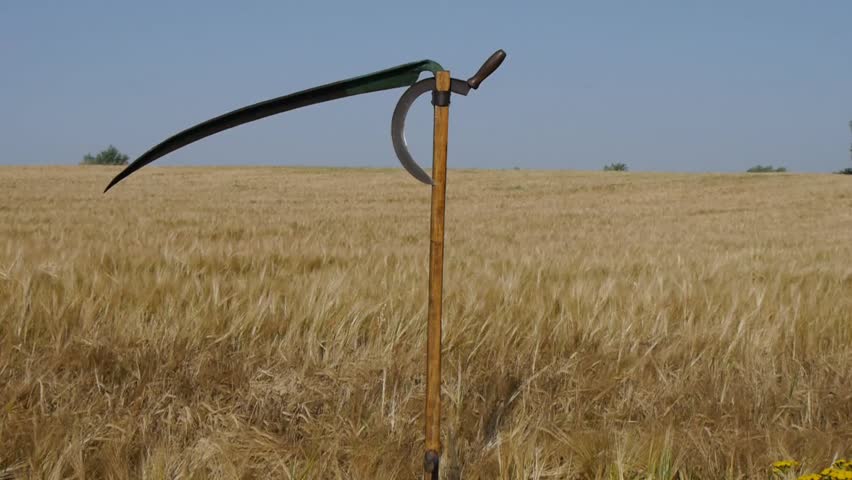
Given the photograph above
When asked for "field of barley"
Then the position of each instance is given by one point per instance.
(270, 323)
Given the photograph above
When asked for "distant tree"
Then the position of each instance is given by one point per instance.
(615, 167)
(110, 156)
(848, 171)
(766, 169)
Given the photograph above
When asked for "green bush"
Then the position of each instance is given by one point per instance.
(615, 167)
(110, 156)
(845, 171)
(766, 169)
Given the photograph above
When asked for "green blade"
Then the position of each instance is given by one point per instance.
(396, 77)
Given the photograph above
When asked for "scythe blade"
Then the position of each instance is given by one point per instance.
(400, 76)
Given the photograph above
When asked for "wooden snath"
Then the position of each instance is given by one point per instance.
(436, 281)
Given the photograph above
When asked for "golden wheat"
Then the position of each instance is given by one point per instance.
(270, 323)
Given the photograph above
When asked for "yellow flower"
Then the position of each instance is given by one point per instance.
(782, 466)
(836, 474)
(813, 476)
(842, 464)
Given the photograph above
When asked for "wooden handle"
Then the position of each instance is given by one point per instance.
(436, 280)
(486, 69)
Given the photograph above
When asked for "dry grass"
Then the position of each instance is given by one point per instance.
(270, 323)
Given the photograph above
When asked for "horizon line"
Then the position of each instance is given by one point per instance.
(331, 167)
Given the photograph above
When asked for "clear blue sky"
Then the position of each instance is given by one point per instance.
(662, 86)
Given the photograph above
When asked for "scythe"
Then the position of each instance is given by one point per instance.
(406, 75)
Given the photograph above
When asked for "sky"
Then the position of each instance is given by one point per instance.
(679, 86)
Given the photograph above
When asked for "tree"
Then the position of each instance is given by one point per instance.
(848, 171)
(110, 156)
(766, 169)
(615, 167)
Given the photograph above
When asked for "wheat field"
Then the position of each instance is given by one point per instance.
(270, 323)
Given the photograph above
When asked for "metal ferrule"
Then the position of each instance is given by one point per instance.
(440, 99)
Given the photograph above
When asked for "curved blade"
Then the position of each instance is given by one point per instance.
(400, 145)
(400, 76)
